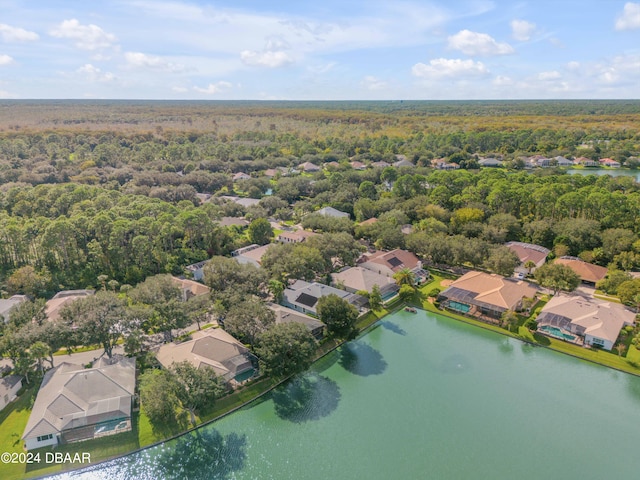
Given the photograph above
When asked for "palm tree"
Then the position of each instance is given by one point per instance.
(404, 277)
(529, 265)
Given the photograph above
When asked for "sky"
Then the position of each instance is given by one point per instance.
(321, 50)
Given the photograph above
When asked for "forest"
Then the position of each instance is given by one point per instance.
(110, 188)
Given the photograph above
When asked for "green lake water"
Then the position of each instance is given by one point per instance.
(418, 397)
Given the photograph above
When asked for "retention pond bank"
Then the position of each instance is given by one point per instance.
(418, 396)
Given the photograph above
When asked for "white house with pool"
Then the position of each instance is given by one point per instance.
(76, 403)
(579, 320)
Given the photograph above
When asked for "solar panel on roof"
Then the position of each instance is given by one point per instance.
(306, 299)
(394, 261)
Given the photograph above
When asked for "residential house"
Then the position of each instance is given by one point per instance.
(197, 270)
(588, 272)
(76, 403)
(296, 236)
(233, 222)
(358, 165)
(389, 263)
(213, 348)
(331, 165)
(403, 163)
(585, 320)
(190, 288)
(586, 162)
(490, 162)
(528, 252)
(6, 304)
(443, 164)
(485, 295)
(308, 167)
(271, 172)
(563, 162)
(203, 197)
(9, 387)
(355, 279)
(543, 162)
(609, 162)
(380, 164)
(369, 221)
(240, 176)
(54, 306)
(251, 254)
(303, 296)
(332, 212)
(245, 202)
(287, 315)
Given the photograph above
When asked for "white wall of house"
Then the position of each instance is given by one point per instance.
(33, 443)
(605, 344)
(9, 396)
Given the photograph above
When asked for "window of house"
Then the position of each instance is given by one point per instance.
(45, 437)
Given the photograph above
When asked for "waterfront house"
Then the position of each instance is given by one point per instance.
(332, 212)
(303, 296)
(609, 162)
(287, 315)
(528, 252)
(563, 162)
(54, 306)
(388, 263)
(76, 403)
(355, 279)
(6, 304)
(213, 348)
(589, 273)
(9, 387)
(585, 320)
(485, 295)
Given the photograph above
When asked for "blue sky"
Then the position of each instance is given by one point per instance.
(323, 50)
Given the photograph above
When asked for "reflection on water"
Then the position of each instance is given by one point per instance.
(362, 359)
(393, 327)
(307, 397)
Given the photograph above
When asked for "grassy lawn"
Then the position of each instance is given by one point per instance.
(13, 420)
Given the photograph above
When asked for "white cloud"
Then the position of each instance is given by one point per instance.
(151, 62)
(630, 17)
(214, 88)
(267, 58)
(444, 68)
(322, 68)
(15, 34)
(473, 43)
(573, 65)
(522, 30)
(546, 76)
(86, 37)
(502, 80)
(5, 60)
(372, 83)
(619, 70)
(94, 74)
(180, 89)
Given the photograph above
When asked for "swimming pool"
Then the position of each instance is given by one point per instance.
(556, 332)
